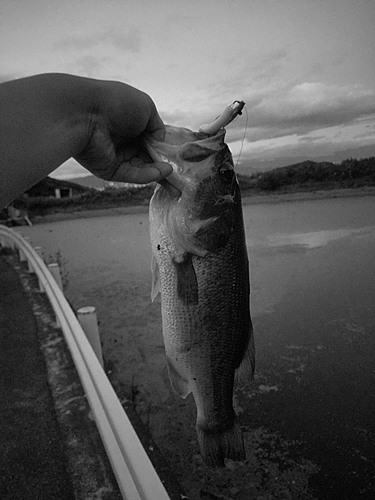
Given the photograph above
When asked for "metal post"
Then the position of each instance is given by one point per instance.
(89, 322)
(30, 266)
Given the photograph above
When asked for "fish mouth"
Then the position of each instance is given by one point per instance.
(179, 148)
(173, 182)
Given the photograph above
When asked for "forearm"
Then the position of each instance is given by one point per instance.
(44, 120)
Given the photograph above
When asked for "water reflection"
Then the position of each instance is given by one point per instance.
(315, 239)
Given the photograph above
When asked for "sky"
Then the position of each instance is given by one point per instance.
(305, 68)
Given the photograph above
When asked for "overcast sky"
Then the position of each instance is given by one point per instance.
(305, 68)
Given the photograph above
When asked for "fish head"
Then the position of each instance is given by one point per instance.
(188, 152)
(201, 212)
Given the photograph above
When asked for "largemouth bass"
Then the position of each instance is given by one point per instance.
(200, 266)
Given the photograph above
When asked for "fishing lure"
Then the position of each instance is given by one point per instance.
(227, 116)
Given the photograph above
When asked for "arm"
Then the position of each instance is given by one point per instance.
(46, 119)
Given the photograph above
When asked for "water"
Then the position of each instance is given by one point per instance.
(312, 300)
(313, 291)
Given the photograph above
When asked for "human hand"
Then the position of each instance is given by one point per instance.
(120, 117)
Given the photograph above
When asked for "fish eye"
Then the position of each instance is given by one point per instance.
(226, 174)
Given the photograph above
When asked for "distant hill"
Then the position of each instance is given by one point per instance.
(349, 173)
(249, 166)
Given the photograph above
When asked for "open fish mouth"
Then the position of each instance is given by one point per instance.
(183, 149)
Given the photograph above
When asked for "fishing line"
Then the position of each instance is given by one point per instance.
(244, 137)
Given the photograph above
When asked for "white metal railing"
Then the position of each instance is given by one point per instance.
(132, 467)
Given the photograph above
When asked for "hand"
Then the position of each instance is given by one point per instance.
(114, 151)
(47, 119)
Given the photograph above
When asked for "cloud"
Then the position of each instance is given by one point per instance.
(130, 41)
(331, 143)
(176, 117)
(244, 76)
(309, 106)
(308, 120)
(6, 77)
(94, 54)
(268, 68)
(292, 109)
(311, 139)
(89, 65)
(177, 21)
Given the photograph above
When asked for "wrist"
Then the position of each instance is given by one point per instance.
(44, 120)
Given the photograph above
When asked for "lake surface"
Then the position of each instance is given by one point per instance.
(313, 306)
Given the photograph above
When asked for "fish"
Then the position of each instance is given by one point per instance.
(200, 267)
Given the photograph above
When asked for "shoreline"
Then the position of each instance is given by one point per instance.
(257, 199)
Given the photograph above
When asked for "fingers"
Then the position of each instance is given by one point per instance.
(155, 126)
(148, 172)
(115, 150)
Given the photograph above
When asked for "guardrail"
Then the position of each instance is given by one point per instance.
(135, 474)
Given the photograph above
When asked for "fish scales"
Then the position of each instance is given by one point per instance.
(200, 266)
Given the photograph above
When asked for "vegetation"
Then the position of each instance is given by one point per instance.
(305, 176)
(91, 199)
(311, 175)
(47, 186)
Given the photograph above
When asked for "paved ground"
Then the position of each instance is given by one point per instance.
(49, 445)
(32, 462)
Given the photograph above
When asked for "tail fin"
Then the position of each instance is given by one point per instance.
(215, 447)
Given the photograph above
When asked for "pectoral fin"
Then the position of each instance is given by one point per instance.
(179, 384)
(187, 284)
(155, 286)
